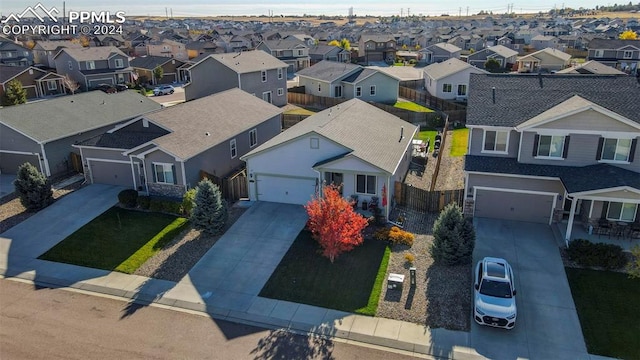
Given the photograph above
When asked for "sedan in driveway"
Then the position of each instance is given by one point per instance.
(494, 294)
(163, 90)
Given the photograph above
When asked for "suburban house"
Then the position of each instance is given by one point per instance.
(196, 48)
(90, 67)
(44, 51)
(623, 55)
(378, 48)
(554, 149)
(505, 56)
(143, 66)
(37, 82)
(328, 52)
(108, 40)
(164, 152)
(540, 42)
(43, 132)
(547, 59)
(14, 54)
(168, 48)
(592, 67)
(293, 52)
(354, 144)
(137, 43)
(255, 72)
(438, 53)
(342, 80)
(450, 79)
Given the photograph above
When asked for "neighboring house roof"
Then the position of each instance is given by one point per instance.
(519, 98)
(592, 67)
(402, 73)
(446, 46)
(329, 71)
(361, 75)
(575, 179)
(284, 44)
(200, 124)
(247, 61)
(9, 72)
(150, 62)
(53, 119)
(92, 53)
(56, 45)
(443, 69)
(503, 51)
(122, 139)
(552, 52)
(377, 38)
(322, 49)
(372, 134)
(604, 44)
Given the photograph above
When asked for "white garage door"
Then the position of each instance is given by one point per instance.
(285, 189)
(513, 206)
(111, 173)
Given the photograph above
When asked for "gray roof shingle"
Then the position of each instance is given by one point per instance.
(329, 71)
(519, 98)
(149, 62)
(249, 61)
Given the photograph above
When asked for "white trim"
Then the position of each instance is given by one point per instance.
(233, 145)
(594, 107)
(37, 155)
(143, 154)
(45, 160)
(184, 176)
(599, 191)
(484, 138)
(375, 186)
(89, 160)
(254, 131)
(635, 212)
(518, 191)
(514, 175)
(155, 180)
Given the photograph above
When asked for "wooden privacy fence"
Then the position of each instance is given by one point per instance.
(288, 120)
(76, 162)
(424, 98)
(320, 102)
(436, 171)
(424, 200)
(233, 187)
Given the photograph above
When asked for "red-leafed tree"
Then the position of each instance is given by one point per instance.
(334, 224)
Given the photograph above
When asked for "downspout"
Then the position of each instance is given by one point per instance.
(572, 214)
(388, 197)
(133, 173)
(184, 176)
(45, 160)
(144, 168)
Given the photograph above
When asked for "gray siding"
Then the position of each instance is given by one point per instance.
(252, 83)
(58, 152)
(311, 87)
(477, 137)
(14, 141)
(509, 182)
(386, 88)
(210, 77)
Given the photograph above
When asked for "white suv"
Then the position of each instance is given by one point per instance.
(494, 296)
(163, 90)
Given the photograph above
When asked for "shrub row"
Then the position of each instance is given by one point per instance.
(588, 254)
(129, 198)
(395, 235)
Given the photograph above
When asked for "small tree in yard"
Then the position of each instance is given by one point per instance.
(633, 267)
(70, 84)
(14, 94)
(492, 65)
(453, 238)
(158, 73)
(209, 212)
(33, 188)
(334, 224)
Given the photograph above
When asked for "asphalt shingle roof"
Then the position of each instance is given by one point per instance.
(93, 53)
(604, 44)
(519, 98)
(122, 139)
(149, 62)
(8, 72)
(575, 179)
(592, 67)
(249, 61)
(283, 44)
(371, 134)
(64, 116)
(329, 71)
(446, 68)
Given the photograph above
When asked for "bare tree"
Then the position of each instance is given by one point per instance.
(70, 84)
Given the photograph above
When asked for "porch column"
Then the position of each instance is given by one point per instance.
(572, 214)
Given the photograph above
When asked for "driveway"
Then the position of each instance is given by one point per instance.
(547, 326)
(171, 99)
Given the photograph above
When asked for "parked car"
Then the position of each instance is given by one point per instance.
(108, 88)
(121, 87)
(494, 302)
(163, 90)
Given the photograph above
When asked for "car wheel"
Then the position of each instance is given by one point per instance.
(171, 92)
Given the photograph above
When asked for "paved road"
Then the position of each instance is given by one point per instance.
(170, 99)
(54, 323)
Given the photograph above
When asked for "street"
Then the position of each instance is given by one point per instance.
(44, 323)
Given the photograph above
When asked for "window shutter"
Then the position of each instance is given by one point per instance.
(565, 151)
(632, 151)
(599, 151)
(536, 140)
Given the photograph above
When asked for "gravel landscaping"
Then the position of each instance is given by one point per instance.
(451, 173)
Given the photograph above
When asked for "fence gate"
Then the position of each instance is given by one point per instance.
(424, 200)
(233, 187)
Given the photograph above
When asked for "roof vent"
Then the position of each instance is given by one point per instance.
(207, 134)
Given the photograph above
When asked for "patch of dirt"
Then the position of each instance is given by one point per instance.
(450, 175)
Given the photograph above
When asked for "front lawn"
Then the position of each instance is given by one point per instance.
(411, 106)
(459, 142)
(119, 240)
(607, 305)
(352, 283)
(429, 135)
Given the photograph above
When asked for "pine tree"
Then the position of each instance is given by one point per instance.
(14, 94)
(209, 213)
(453, 237)
(33, 188)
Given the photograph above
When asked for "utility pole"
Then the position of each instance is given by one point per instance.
(460, 12)
(408, 12)
(166, 13)
(467, 11)
(401, 12)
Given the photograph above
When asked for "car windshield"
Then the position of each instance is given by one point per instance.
(493, 288)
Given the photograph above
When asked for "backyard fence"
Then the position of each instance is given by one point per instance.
(308, 100)
(233, 187)
(440, 150)
(288, 120)
(76, 163)
(424, 200)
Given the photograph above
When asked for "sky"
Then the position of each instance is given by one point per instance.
(298, 7)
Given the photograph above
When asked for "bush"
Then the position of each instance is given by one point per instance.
(128, 198)
(410, 258)
(33, 188)
(144, 202)
(588, 254)
(395, 235)
(453, 238)
(633, 268)
(189, 201)
(165, 205)
(210, 211)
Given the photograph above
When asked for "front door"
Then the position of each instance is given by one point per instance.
(333, 178)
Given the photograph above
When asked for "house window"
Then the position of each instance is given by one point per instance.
(462, 90)
(300, 52)
(550, 146)
(599, 53)
(495, 140)
(315, 143)
(338, 91)
(366, 184)
(616, 149)
(266, 96)
(446, 88)
(119, 63)
(51, 85)
(627, 54)
(263, 73)
(280, 91)
(280, 74)
(622, 211)
(358, 91)
(253, 137)
(233, 148)
(372, 90)
(90, 65)
(319, 87)
(164, 173)
(70, 65)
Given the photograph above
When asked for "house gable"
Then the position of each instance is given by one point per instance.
(349, 163)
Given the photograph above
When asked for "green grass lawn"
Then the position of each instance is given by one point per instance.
(459, 142)
(119, 239)
(607, 304)
(409, 105)
(299, 111)
(428, 135)
(352, 283)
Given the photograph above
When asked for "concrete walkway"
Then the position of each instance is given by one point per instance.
(224, 283)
